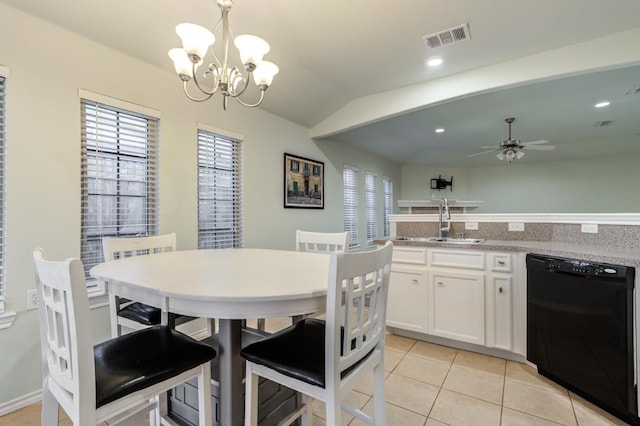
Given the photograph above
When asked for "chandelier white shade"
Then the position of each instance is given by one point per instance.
(220, 74)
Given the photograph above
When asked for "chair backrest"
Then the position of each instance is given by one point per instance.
(356, 307)
(322, 241)
(115, 248)
(65, 335)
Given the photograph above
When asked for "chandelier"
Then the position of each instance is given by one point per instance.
(220, 75)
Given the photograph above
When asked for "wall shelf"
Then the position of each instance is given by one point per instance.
(435, 203)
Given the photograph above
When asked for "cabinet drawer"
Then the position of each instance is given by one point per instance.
(457, 259)
(500, 262)
(409, 255)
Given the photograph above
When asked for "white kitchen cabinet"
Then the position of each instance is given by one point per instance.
(463, 295)
(500, 312)
(456, 305)
(407, 301)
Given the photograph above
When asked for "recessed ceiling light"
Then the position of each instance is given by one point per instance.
(434, 62)
(602, 104)
(440, 130)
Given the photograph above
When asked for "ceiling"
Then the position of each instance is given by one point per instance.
(333, 53)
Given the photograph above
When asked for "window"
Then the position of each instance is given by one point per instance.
(350, 184)
(387, 188)
(119, 176)
(219, 191)
(372, 211)
(2, 192)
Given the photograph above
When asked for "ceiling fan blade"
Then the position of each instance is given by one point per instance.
(491, 147)
(534, 142)
(480, 153)
(539, 147)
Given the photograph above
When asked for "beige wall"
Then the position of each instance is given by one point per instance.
(47, 65)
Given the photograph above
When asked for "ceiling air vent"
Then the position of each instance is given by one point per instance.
(448, 36)
(603, 123)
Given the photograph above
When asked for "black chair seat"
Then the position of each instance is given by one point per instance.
(147, 315)
(297, 351)
(143, 358)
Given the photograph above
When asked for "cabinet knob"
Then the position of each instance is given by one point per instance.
(440, 283)
(501, 262)
(414, 281)
(500, 290)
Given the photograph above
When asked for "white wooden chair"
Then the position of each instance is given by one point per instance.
(324, 242)
(326, 360)
(131, 314)
(319, 242)
(95, 383)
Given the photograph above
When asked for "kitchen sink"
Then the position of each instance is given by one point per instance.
(442, 240)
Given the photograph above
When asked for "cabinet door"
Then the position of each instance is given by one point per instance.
(407, 303)
(499, 312)
(457, 306)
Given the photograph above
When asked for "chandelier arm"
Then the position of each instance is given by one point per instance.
(247, 79)
(252, 105)
(186, 92)
(209, 72)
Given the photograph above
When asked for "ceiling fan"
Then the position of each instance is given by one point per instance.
(511, 149)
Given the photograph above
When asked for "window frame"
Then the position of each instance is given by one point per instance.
(4, 74)
(387, 210)
(350, 207)
(232, 144)
(371, 205)
(136, 129)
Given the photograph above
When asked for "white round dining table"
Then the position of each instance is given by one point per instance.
(227, 284)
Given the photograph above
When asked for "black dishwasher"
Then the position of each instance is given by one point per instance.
(580, 329)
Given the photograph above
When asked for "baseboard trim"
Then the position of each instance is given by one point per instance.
(21, 402)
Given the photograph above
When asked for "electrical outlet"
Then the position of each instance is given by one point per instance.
(32, 300)
(589, 228)
(516, 226)
(471, 226)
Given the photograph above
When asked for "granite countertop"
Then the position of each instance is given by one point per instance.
(600, 253)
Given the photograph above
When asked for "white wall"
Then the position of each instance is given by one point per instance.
(47, 66)
(602, 185)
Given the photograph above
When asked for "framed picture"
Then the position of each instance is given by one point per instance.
(303, 183)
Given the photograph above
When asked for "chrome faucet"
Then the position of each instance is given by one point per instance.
(444, 206)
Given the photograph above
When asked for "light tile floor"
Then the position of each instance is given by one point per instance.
(431, 385)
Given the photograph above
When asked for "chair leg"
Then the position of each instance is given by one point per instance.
(251, 397)
(155, 415)
(205, 416)
(306, 419)
(49, 408)
(114, 307)
(378, 394)
(333, 411)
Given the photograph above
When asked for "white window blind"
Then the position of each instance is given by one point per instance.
(3, 228)
(219, 191)
(119, 177)
(387, 188)
(372, 211)
(350, 187)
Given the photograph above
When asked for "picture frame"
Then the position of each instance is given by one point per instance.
(303, 182)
